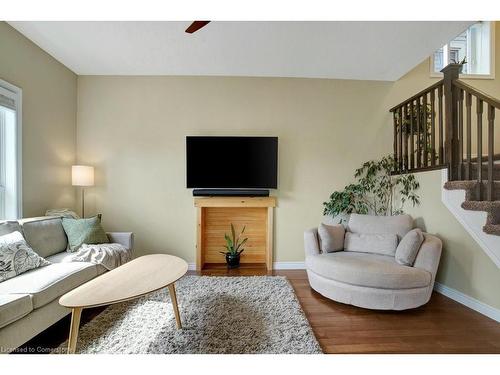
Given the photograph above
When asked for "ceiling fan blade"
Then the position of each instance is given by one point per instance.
(195, 26)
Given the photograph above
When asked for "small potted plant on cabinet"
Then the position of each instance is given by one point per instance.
(234, 247)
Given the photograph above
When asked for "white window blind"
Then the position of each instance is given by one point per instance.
(9, 155)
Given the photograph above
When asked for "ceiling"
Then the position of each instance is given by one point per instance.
(329, 49)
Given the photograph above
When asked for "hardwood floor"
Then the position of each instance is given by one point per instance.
(441, 326)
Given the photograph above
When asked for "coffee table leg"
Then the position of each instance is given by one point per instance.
(173, 296)
(76, 314)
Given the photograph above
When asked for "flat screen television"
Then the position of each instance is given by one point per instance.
(232, 162)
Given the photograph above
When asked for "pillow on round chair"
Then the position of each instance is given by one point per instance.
(331, 237)
(407, 250)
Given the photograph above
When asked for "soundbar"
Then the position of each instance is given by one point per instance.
(230, 192)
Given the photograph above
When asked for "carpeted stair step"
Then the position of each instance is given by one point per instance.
(474, 169)
(491, 207)
(471, 191)
(492, 229)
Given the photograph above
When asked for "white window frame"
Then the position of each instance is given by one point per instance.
(470, 76)
(9, 90)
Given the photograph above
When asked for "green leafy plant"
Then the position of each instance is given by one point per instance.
(377, 191)
(234, 243)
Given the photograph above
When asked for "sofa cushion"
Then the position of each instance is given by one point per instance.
(331, 237)
(368, 270)
(16, 257)
(45, 235)
(48, 283)
(384, 244)
(7, 227)
(13, 307)
(370, 224)
(408, 247)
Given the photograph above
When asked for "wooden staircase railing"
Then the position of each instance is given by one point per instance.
(448, 106)
(418, 145)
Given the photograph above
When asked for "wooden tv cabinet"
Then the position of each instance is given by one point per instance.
(214, 218)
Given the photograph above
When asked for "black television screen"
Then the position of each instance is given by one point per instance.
(232, 162)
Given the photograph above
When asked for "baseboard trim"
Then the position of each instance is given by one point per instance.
(276, 266)
(468, 301)
(289, 266)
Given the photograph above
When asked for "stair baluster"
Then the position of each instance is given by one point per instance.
(468, 121)
(491, 151)
(479, 111)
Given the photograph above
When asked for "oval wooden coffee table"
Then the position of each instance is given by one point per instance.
(134, 279)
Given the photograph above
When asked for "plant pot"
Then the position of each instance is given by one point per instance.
(233, 260)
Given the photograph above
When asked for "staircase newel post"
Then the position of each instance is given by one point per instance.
(452, 145)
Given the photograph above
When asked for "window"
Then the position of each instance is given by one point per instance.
(475, 45)
(10, 152)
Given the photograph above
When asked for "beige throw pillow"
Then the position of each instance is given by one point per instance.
(383, 244)
(331, 237)
(407, 250)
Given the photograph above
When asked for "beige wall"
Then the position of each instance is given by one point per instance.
(464, 267)
(133, 130)
(49, 121)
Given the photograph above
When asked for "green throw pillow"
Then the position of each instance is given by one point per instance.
(80, 231)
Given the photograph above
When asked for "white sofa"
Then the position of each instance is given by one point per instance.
(29, 302)
(373, 281)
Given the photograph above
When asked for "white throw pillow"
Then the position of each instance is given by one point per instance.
(16, 257)
(331, 237)
(408, 248)
(384, 244)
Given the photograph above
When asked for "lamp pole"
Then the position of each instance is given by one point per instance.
(83, 202)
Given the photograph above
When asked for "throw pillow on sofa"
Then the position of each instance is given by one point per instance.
(331, 237)
(16, 257)
(383, 244)
(407, 250)
(80, 231)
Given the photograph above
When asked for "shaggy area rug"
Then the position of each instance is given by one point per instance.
(257, 314)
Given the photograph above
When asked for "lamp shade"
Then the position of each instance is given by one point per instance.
(82, 175)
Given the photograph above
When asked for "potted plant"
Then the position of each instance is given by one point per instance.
(234, 247)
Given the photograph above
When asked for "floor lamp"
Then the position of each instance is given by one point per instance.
(83, 176)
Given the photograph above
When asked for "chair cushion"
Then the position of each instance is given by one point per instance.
(7, 227)
(45, 235)
(384, 244)
(331, 237)
(369, 270)
(13, 307)
(408, 247)
(48, 283)
(370, 224)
